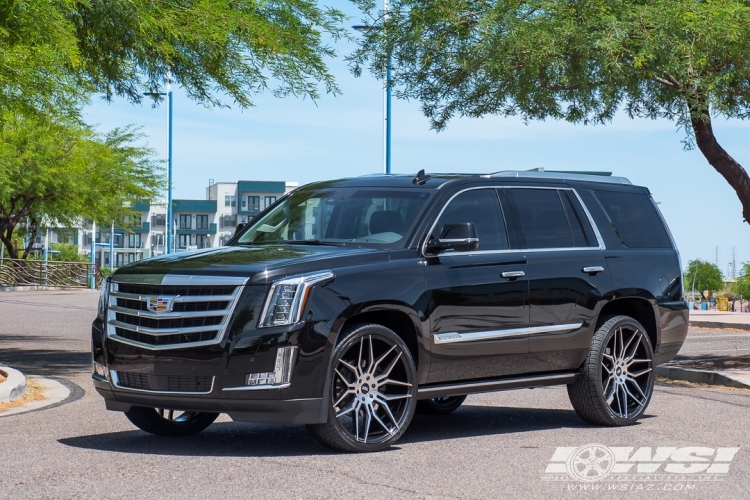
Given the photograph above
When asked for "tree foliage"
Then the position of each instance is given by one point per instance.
(66, 252)
(56, 50)
(683, 60)
(703, 275)
(742, 285)
(55, 172)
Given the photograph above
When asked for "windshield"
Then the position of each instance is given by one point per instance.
(342, 216)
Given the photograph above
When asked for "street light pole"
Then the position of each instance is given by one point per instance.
(387, 160)
(169, 159)
(112, 248)
(169, 165)
(92, 273)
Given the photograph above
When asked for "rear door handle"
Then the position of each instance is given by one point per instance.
(593, 269)
(511, 275)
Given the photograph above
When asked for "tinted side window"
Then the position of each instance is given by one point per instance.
(482, 208)
(583, 234)
(543, 218)
(634, 219)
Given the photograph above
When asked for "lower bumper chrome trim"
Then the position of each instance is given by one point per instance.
(116, 384)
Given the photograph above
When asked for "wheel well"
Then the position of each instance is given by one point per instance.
(397, 321)
(638, 309)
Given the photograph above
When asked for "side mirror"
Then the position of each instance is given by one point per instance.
(239, 229)
(458, 236)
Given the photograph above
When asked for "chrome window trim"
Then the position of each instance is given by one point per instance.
(116, 380)
(599, 239)
(174, 280)
(455, 337)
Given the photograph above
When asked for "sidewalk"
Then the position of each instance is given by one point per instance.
(720, 320)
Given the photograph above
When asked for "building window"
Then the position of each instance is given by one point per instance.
(244, 219)
(201, 222)
(201, 241)
(183, 240)
(134, 241)
(244, 202)
(270, 200)
(159, 220)
(228, 221)
(253, 203)
(185, 221)
(230, 201)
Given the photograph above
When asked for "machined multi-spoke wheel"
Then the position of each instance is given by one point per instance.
(617, 378)
(440, 406)
(373, 391)
(169, 422)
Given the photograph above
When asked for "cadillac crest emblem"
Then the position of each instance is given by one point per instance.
(159, 304)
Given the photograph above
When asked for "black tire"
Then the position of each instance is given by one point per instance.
(617, 379)
(440, 406)
(169, 422)
(372, 376)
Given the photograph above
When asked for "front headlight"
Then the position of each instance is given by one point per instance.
(103, 296)
(287, 298)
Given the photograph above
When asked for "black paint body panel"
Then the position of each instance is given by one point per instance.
(424, 296)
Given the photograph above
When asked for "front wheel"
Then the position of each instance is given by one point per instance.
(617, 379)
(169, 422)
(373, 391)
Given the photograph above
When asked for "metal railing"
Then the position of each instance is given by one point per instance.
(21, 272)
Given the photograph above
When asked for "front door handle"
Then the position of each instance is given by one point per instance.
(512, 275)
(591, 270)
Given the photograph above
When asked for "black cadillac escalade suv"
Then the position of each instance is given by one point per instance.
(348, 305)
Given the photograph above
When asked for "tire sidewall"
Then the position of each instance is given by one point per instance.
(624, 321)
(352, 338)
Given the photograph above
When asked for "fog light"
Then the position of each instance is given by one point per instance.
(101, 370)
(282, 374)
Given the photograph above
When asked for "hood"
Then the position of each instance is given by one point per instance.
(256, 262)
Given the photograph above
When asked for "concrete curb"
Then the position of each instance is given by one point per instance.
(702, 376)
(719, 326)
(14, 387)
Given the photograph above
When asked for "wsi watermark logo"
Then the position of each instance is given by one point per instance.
(644, 468)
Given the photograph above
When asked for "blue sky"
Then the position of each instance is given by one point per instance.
(299, 140)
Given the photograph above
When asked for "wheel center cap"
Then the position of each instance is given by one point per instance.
(365, 388)
(619, 371)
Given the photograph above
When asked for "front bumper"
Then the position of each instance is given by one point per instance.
(227, 366)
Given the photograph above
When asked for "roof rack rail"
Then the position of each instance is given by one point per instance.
(604, 177)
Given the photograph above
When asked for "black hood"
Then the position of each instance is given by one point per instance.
(247, 261)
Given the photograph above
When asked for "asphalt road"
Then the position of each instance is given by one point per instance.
(496, 446)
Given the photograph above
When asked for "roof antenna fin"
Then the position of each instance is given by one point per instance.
(421, 178)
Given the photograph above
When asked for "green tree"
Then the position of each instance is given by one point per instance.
(55, 51)
(742, 285)
(59, 171)
(579, 61)
(68, 252)
(701, 275)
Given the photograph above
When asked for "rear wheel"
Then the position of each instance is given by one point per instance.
(617, 378)
(373, 391)
(169, 422)
(440, 406)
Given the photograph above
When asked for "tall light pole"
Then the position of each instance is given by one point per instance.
(92, 274)
(387, 98)
(169, 159)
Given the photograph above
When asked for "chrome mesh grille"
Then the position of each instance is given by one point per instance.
(171, 315)
(164, 383)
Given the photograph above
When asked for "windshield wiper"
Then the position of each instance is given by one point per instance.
(312, 242)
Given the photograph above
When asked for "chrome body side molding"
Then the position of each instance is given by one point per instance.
(453, 337)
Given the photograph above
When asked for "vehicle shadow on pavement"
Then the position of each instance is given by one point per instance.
(255, 440)
(45, 361)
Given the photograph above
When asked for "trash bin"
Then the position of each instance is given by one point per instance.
(704, 306)
(691, 305)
